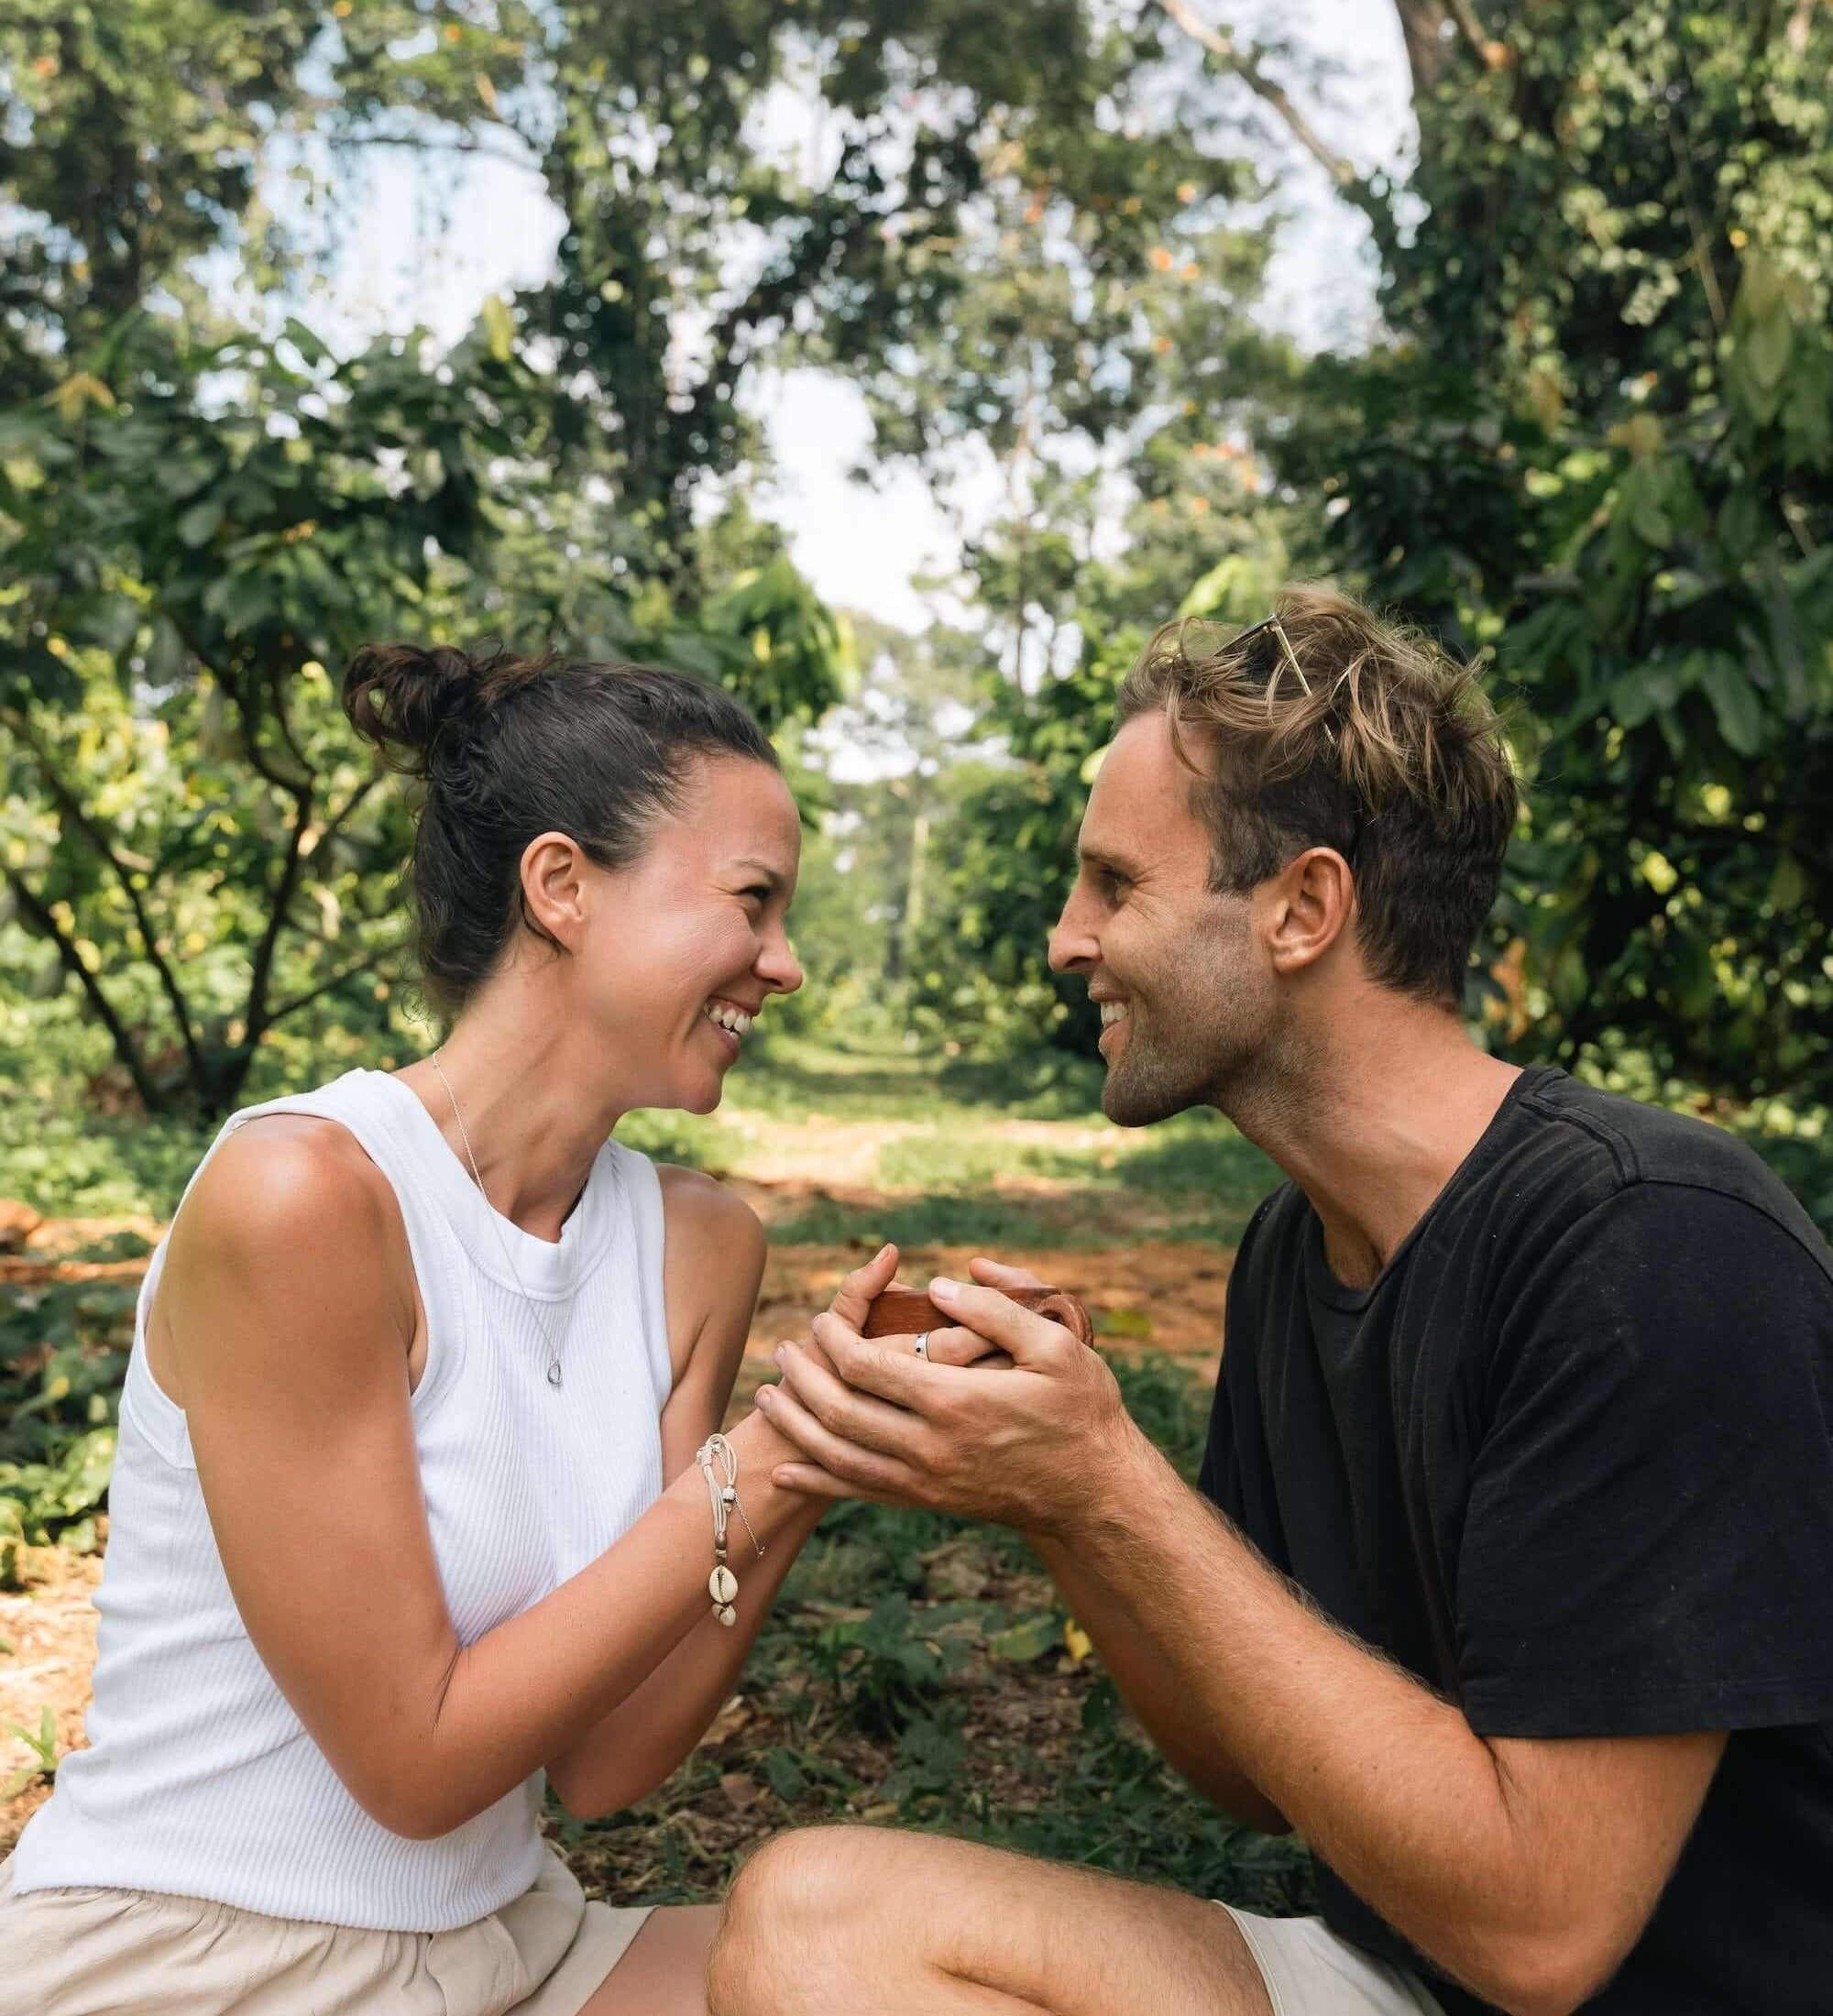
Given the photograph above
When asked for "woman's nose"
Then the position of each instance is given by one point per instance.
(780, 968)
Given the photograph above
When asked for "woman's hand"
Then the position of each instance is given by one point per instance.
(958, 1346)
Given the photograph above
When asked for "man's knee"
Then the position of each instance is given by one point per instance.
(794, 1905)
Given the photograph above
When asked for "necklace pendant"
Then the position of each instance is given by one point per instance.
(554, 1374)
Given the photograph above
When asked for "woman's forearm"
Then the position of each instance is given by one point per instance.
(641, 1744)
(481, 1717)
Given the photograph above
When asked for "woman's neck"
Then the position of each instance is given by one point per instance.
(535, 1117)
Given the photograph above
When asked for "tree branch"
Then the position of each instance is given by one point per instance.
(261, 973)
(439, 147)
(366, 964)
(335, 824)
(46, 925)
(72, 808)
(1244, 63)
(1491, 55)
(1702, 246)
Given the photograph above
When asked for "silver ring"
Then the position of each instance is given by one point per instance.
(923, 1345)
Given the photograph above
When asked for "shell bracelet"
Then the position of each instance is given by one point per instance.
(718, 1462)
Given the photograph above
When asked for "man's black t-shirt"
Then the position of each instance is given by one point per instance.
(1570, 1460)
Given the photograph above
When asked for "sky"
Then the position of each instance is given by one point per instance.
(432, 258)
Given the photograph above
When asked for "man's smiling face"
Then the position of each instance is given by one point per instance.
(1185, 994)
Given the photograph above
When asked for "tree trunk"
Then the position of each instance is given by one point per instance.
(1432, 41)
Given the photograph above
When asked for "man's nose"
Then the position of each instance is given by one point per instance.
(1073, 946)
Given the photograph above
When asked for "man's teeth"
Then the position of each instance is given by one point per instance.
(1113, 1011)
(728, 1017)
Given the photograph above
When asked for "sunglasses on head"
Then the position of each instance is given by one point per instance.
(1279, 629)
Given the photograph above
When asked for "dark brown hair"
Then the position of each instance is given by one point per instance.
(511, 748)
(1367, 739)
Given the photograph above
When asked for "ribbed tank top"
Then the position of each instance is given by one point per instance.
(200, 1780)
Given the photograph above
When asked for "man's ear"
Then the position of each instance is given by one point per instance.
(1308, 905)
(553, 870)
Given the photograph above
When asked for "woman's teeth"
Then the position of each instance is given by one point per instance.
(734, 1021)
(1113, 1011)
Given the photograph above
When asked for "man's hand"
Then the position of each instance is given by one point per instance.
(1031, 1447)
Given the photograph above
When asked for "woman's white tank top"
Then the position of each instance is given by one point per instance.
(200, 1780)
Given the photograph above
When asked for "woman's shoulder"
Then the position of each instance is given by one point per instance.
(286, 1183)
(290, 1161)
(702, 1213)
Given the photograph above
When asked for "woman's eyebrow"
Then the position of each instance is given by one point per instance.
(763, 868)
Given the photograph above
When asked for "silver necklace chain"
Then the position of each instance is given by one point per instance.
(515, 1271)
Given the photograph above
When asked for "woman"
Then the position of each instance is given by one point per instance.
(414, 1497)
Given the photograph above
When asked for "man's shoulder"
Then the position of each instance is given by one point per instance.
(1575, 1147)
(1278, 1217)
(1270, 1250)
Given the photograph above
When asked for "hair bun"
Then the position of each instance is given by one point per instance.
(404, 697)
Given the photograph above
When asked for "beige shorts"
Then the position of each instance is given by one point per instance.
(1309, 1971)
(86, 1952)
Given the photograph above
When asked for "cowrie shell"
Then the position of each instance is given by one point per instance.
(722, 1585)
(725, 1613)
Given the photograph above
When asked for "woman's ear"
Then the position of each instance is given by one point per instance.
(554, 872)
(1313, 903)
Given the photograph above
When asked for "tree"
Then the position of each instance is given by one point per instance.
(1598, 449)
(132, 144)
(199, 520)
(179, 784)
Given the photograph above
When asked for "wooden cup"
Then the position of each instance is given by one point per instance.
(903, 1311)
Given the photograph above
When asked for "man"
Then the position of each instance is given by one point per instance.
(1508, 1584)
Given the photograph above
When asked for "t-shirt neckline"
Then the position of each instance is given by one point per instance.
(1324, 1284)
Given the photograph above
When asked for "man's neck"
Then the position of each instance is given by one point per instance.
(1373, 1128)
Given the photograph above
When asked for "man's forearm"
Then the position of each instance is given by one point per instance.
(1387, 1782)
(1155, 1695)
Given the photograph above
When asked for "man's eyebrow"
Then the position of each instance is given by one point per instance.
(1108, 857)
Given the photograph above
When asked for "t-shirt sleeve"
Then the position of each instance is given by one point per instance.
(1648, 1537)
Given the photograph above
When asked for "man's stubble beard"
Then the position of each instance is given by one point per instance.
(1199, 1037)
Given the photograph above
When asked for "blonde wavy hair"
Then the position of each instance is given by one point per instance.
(1329, 726)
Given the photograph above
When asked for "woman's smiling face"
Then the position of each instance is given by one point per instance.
(683, 948)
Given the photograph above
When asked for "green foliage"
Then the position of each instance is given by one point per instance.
(63, 1351)
(42, 1743)
(133, 143)
(1599, 449)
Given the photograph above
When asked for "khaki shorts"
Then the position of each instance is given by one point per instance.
(99, 1951)
(1309, 1971)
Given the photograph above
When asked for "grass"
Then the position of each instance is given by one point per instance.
(945, 1220)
